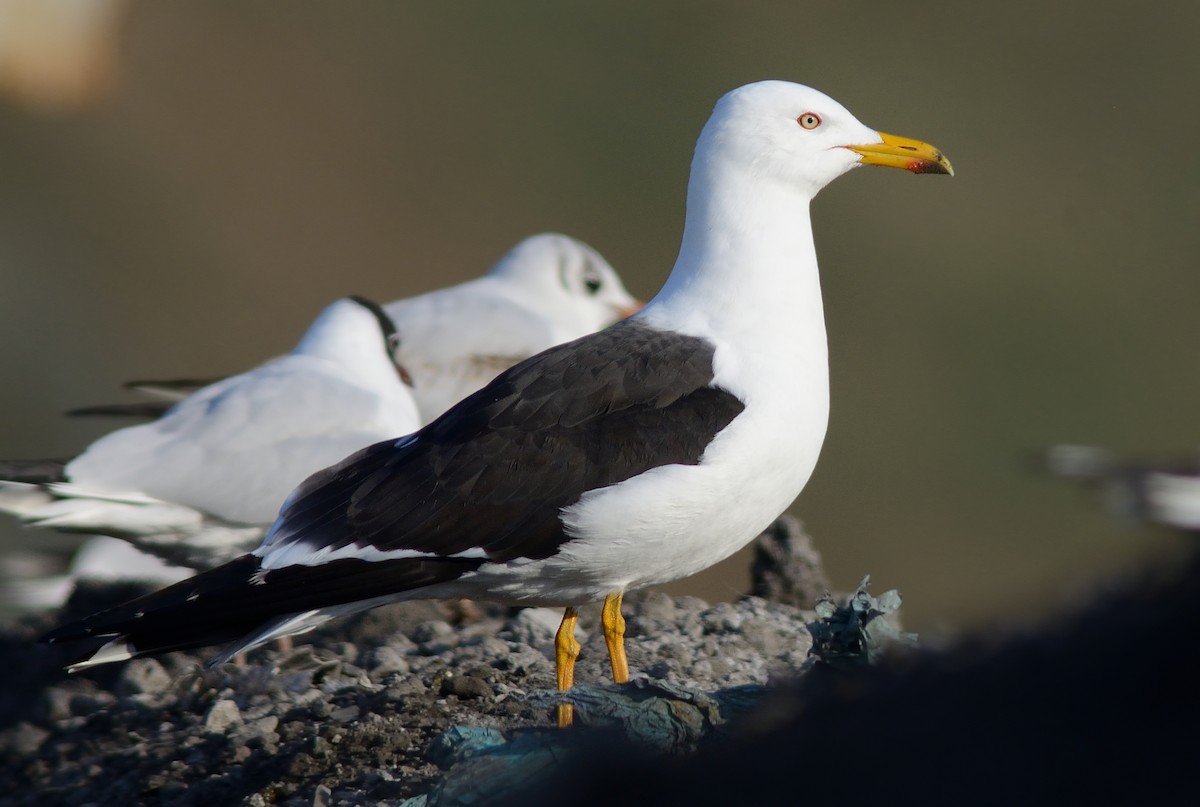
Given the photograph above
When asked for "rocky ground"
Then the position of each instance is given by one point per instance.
(378, 709)
(427, 705)
(354, 712)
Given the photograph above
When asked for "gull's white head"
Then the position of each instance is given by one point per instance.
(798, 135)
(567, 282)
(355, 332)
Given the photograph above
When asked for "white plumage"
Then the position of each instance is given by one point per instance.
(201, 484)
(25, 583)
(546, 290)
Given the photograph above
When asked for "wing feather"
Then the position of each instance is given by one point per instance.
(496, 470)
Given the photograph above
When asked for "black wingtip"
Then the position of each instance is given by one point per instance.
(33, 472)
(150, 410)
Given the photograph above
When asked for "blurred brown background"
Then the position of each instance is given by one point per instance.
(253, 160)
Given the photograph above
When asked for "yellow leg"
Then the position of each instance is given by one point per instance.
(614, 636)
(566, 650)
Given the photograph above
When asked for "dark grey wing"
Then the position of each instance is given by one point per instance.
(495, 470)
(148, 410)
(165, 394)
(33, 472)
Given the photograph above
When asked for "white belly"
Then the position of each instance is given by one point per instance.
(673, 521)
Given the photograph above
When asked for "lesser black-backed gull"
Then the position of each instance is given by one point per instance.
(627, 458)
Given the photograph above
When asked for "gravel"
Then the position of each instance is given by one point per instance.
(363, 711)
(428, 705)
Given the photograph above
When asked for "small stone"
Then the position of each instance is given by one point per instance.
(258, 731)
(143, 675)
(56, 703)
(659, 670)
(400, 742)
(400, 643)
(406, 687)
(301, 765)
(722, 618)
(657, 606)
(763, 638)
(85, 704)
(536, 627)
(221, 715)
(345, 714)
(489, 649)
(720, 667)
(347, 651)
(521, 662)
(26, 738)
(386, 660)
(433, 632)
(467, 687)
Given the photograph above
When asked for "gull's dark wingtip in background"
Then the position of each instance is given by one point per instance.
(625, 459)
(1158, 490)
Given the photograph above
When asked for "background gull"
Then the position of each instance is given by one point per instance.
(30, 583)
(548, 289)
(1159, 490)
(202, 483)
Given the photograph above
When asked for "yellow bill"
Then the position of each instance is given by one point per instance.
(903, 152)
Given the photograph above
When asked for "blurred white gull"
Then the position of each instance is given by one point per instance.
(546, 290)
(25, 583)
(201, 484)
(1163, 491)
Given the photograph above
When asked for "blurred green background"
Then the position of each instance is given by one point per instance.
(254, 160)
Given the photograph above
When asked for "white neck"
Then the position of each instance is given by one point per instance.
(347, 333)
(747, 268)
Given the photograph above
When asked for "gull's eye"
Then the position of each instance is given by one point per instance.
(393, 342)
(591, 281)
(809, 120)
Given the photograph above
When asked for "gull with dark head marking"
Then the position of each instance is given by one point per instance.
(200, 485)
(631, 457)
(548, 289)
